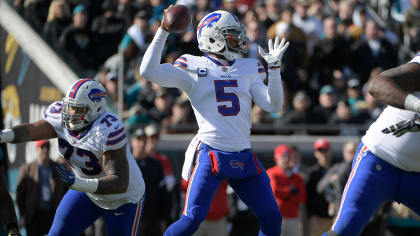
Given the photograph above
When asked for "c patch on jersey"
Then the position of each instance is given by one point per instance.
(96, 95)
(202, 72)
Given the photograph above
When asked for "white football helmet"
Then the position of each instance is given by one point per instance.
(221, 33)
(84, 103)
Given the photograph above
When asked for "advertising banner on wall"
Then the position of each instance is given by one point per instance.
(25, 93)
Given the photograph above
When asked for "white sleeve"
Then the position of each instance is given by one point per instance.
(269, 98)
(166, 75)
(115, 136)
(52, 114)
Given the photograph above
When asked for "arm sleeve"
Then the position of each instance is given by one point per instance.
(115, 138)
(269, 98)
(166, 75)
(52, 114)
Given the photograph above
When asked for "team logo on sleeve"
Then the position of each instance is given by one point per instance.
(202, 72)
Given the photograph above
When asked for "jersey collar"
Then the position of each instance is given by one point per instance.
(82, 133)
(214, 60)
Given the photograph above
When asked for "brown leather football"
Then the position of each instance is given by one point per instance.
(177, 19)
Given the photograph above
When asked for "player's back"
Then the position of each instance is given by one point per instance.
(85, 152)
(221, 99)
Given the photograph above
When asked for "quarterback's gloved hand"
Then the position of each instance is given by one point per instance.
(275, 53)
(404, 126)
(65, 175)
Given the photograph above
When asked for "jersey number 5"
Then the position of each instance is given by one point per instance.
(221, 96)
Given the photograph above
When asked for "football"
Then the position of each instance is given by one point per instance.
(177, 19)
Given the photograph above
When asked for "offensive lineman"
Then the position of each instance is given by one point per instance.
(221, 87)
(104, 179)
(385, 167)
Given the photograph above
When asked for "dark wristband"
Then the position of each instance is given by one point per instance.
(273, 67)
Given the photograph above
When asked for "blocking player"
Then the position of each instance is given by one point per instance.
(385, 167)
(104, 179)
(221, 87)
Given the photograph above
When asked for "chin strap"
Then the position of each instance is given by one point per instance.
(231, 55)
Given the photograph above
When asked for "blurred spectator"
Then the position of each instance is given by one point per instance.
(339, 83)
(182, 114)
(355, 96)
(125, 11)
(157, 10)
(111, 86)
(39, 191)
(216, 219)
(253, 30)
(330, 53)
(372, 51)
(317, 9)
(294, 58)
(317, 205)
(309, 24)
(332, 183)
(109, 29)
(79, 42)
(295, 34)
(230, 6)
(288, 188)
(402, 221)
(342, 115)
(346, 27)
(301, 112)
(259, 116)
(244, 222)
(152, 132)
(411, 24)
(155, 206)
(36, 12)
(161, 109)
(58, 19)
(269, 13)
(323, 112)
(371, 109)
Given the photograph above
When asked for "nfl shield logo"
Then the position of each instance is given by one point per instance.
(202, 72)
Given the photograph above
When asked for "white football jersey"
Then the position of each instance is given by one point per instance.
(402, 152)
(85, 153)
(221, 98)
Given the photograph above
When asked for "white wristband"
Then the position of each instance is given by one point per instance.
(85, 185)
(412, 103)
(7, 136)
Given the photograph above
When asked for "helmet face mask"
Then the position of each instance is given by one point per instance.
(74, 116)
(221, 33)
(84, 103)
(236, 41)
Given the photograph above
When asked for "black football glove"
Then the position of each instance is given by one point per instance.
(404, 126)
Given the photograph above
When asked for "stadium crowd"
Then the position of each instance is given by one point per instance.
(336, 46)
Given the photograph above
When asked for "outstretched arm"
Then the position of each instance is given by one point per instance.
(393, 87)
(166, 75)
(270, 98)
(28, 132)
(115, 181)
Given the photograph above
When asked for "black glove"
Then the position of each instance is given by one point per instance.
(293, 190)
(404, 126)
